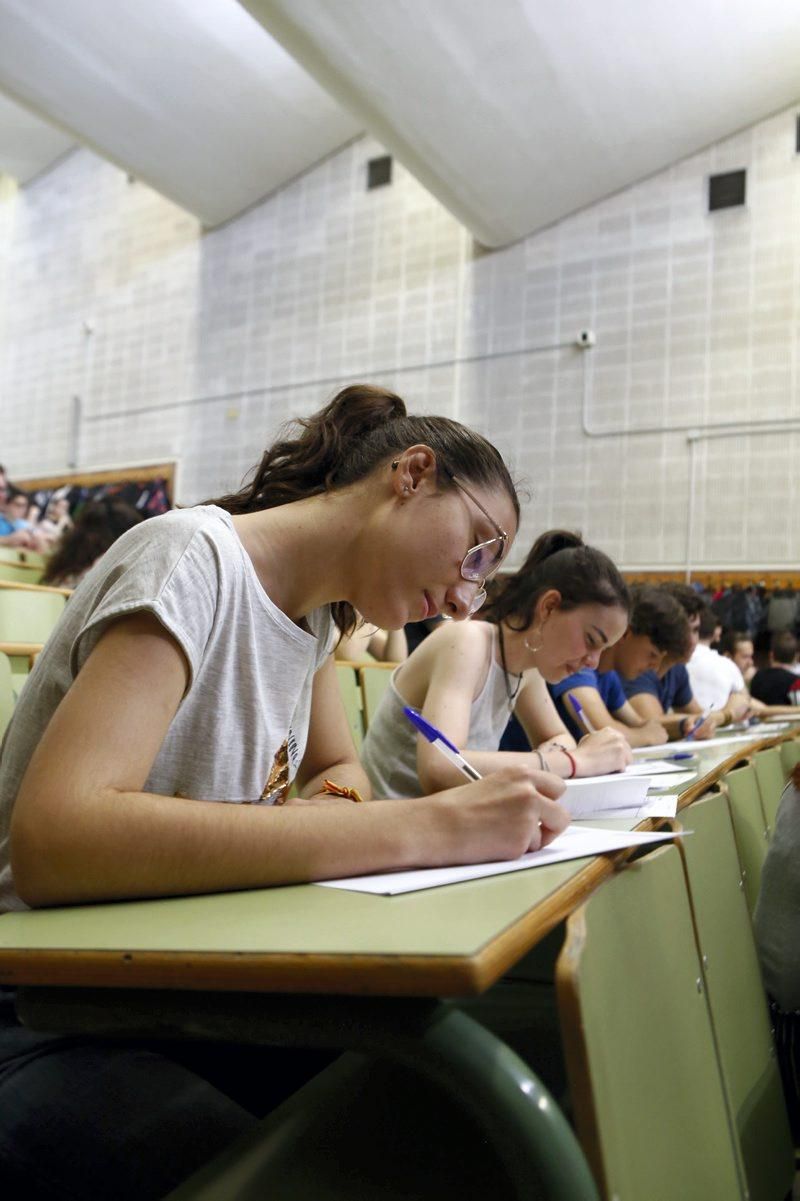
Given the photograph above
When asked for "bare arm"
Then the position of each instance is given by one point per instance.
(389, 646)
(83, 829)
(330, 753)
(598, 753)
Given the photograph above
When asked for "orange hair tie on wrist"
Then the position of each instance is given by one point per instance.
(341, 790)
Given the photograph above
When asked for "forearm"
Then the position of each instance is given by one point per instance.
(348, 774)
(125, 845)
(396, 648)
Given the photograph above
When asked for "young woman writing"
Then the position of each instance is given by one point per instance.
(192, 665)
(563, 607)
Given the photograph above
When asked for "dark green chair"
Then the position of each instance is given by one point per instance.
(790, 756)
(771, 782)
(645, 1082)
(736, 998)
(749, 826)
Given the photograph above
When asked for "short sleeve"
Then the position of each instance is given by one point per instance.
(174, 578)
(682, 694)
(612, 691)
(646, 682)
(580, 679)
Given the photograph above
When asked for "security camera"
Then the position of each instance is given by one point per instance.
(585, 338)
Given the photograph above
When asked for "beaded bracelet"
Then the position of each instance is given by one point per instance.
(541, 758)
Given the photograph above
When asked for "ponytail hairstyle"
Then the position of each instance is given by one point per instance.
(363, 427)
(558, 559)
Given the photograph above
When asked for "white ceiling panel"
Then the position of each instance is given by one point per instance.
(28, 146)
(192, 96)
(516, 112)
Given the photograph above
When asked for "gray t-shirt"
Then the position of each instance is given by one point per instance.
(240, 731)
(776, 921)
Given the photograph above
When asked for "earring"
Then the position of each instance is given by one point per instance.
(538, 646)
(405, 487)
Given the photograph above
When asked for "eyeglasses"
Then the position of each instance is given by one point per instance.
(481, 561)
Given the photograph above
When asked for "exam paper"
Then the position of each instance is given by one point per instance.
(665, 805)
(699, 745)
(591, 795)
(673, 781)
(575, 843)
(655, 767)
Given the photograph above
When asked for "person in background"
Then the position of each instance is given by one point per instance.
(96, 528)
(737, 645)
(367, 642)
(657, 628)
(666, 695)
(778, 684)
(560, 610)
(15, 529)
(56, 520)
(187, 686)
(715, 680)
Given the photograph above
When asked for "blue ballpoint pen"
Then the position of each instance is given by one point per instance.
(441, 742)
(578, 707)
(688, 737)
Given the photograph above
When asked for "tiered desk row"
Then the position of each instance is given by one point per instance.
(674, 1089)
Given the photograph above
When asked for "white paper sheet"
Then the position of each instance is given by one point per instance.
(575, 843)
(589, 795)
(665, 805)
(755, 732)
(655, 767)
(672, 781)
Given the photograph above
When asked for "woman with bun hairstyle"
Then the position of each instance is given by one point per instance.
(188, 685)
(558, 612)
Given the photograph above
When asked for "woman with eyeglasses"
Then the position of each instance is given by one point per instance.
(555, 615)
(193, 665)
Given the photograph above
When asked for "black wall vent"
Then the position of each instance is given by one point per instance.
(379, 172)
(726, 191)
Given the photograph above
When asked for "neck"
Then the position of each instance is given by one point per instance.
(518, 657)
(303, 553)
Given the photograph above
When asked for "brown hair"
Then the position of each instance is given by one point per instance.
(96, 528)
(796, 775)
(660, 618)
(558, 559)
(362, 427)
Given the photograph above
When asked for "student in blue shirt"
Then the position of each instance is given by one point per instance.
(657, 627)
(665, 694)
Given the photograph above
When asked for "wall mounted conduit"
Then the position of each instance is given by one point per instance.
(694, 433)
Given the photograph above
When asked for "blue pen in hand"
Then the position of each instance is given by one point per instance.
(441, 742)
(688, 737)
(578, 707)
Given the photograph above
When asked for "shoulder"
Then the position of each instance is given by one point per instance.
(585, 678)
(646, 682)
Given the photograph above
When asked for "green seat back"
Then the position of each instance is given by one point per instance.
(771, 782)
(790, 756)
(749, 827)
(17, 573)
(351, 699)
(736, 998)
(644, 1076)
(7, 698)
(27, 616)
(374, 682)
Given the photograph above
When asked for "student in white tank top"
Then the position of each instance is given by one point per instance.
(555, 615)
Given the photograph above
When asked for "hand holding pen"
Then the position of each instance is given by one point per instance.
(696, 727)
(522, 816)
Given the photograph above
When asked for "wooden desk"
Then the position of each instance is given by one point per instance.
(203, 967)
(452, 941)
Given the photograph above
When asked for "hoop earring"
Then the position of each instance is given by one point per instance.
(534, 649)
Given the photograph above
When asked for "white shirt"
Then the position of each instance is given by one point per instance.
(713, 677)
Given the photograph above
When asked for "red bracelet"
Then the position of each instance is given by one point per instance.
(571, 758)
